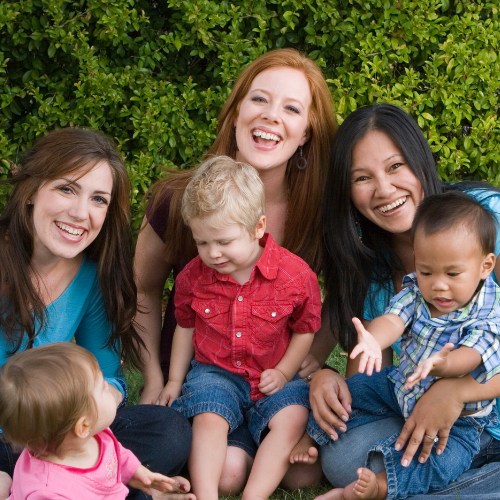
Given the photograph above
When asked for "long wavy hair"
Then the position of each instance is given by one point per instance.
(58, 154)
(357, 251)
(305, 187)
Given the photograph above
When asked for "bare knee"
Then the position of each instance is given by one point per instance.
(303, 476)
(290, 421)
(235, 472)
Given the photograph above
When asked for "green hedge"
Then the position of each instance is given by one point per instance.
(154, 74)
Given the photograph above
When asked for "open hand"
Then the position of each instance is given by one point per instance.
(369, 348)
(433, 365)
(144, 480)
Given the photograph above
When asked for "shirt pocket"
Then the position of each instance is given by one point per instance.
(213, 313)
(269, 321)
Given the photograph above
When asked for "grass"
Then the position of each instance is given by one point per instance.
(337, 359)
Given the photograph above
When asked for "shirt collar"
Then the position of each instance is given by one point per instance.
(267, 264)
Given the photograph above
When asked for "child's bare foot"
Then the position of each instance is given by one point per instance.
(5, 484)
(305, 451)
(368, 486)
(180, 491)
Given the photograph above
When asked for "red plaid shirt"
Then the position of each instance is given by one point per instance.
(246, 329)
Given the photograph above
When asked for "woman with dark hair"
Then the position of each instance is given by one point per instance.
(279, 118)
(66, 272)
(381, 167)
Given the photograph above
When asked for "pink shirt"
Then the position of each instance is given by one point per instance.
(246, 329)
(36, 479)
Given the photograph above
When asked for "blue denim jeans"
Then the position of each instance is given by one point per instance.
(376, 395)
(159, 436)
(209, 388)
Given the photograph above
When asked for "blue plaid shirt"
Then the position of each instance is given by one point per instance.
(476, 325)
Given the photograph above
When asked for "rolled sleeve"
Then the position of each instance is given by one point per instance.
(403, 305)
(484, 338)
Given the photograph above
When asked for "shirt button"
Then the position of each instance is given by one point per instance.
(238, 363)
(240, 298)
(273, 314)
(238, 334)
(207, 311)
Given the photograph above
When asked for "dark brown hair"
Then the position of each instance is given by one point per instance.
(59, 153)
(439, 213)
(302, 234)
(44, 392)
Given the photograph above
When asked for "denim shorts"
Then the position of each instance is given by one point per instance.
(211, 389)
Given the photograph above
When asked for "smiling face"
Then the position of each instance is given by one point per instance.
(68, 213)
(449, 267)
(383, 187)
(229, 249)
(273, 118)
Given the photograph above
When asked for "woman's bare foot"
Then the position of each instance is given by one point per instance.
(304, 451)
(180, 491)
(5, 484)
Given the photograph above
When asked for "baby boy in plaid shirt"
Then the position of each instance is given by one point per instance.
(450, 301)
(247, 310)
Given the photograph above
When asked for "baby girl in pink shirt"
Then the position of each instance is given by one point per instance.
(55, 403)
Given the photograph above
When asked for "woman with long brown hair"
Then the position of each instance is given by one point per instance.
(279, 118)
(66, 272)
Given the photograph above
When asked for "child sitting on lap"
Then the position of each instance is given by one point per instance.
(55, 403)
(451, 300)
(246, 309)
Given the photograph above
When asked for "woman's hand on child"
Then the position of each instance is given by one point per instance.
(271, 381)
(330, 401)
(434, 415)
(144, 479)
(434, 365)
(170, 393)
(369, 348)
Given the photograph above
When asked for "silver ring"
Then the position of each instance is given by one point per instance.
(308, 378)
(432, 438)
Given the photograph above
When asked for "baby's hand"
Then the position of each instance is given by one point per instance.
(372, 354)
(144, 479)
(169, 394)
(434, 365)
(271, 381)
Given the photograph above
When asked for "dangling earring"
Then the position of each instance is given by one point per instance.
(358, 225)
(301, 161)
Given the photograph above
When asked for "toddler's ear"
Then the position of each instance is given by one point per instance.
(82, 428)
(260, 228)
(488, 265)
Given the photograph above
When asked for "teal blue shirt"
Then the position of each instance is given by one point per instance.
(79, 312)
(379, 295)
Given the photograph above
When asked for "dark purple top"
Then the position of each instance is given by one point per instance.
(159, 223)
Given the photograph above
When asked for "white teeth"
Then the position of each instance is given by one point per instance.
(266, 135)
(69, 229)
(385, 208)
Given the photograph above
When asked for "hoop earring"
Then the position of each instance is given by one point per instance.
(301, 163)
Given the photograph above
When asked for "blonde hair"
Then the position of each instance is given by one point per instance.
(43, 393)
(305, 187)
(226, 191)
